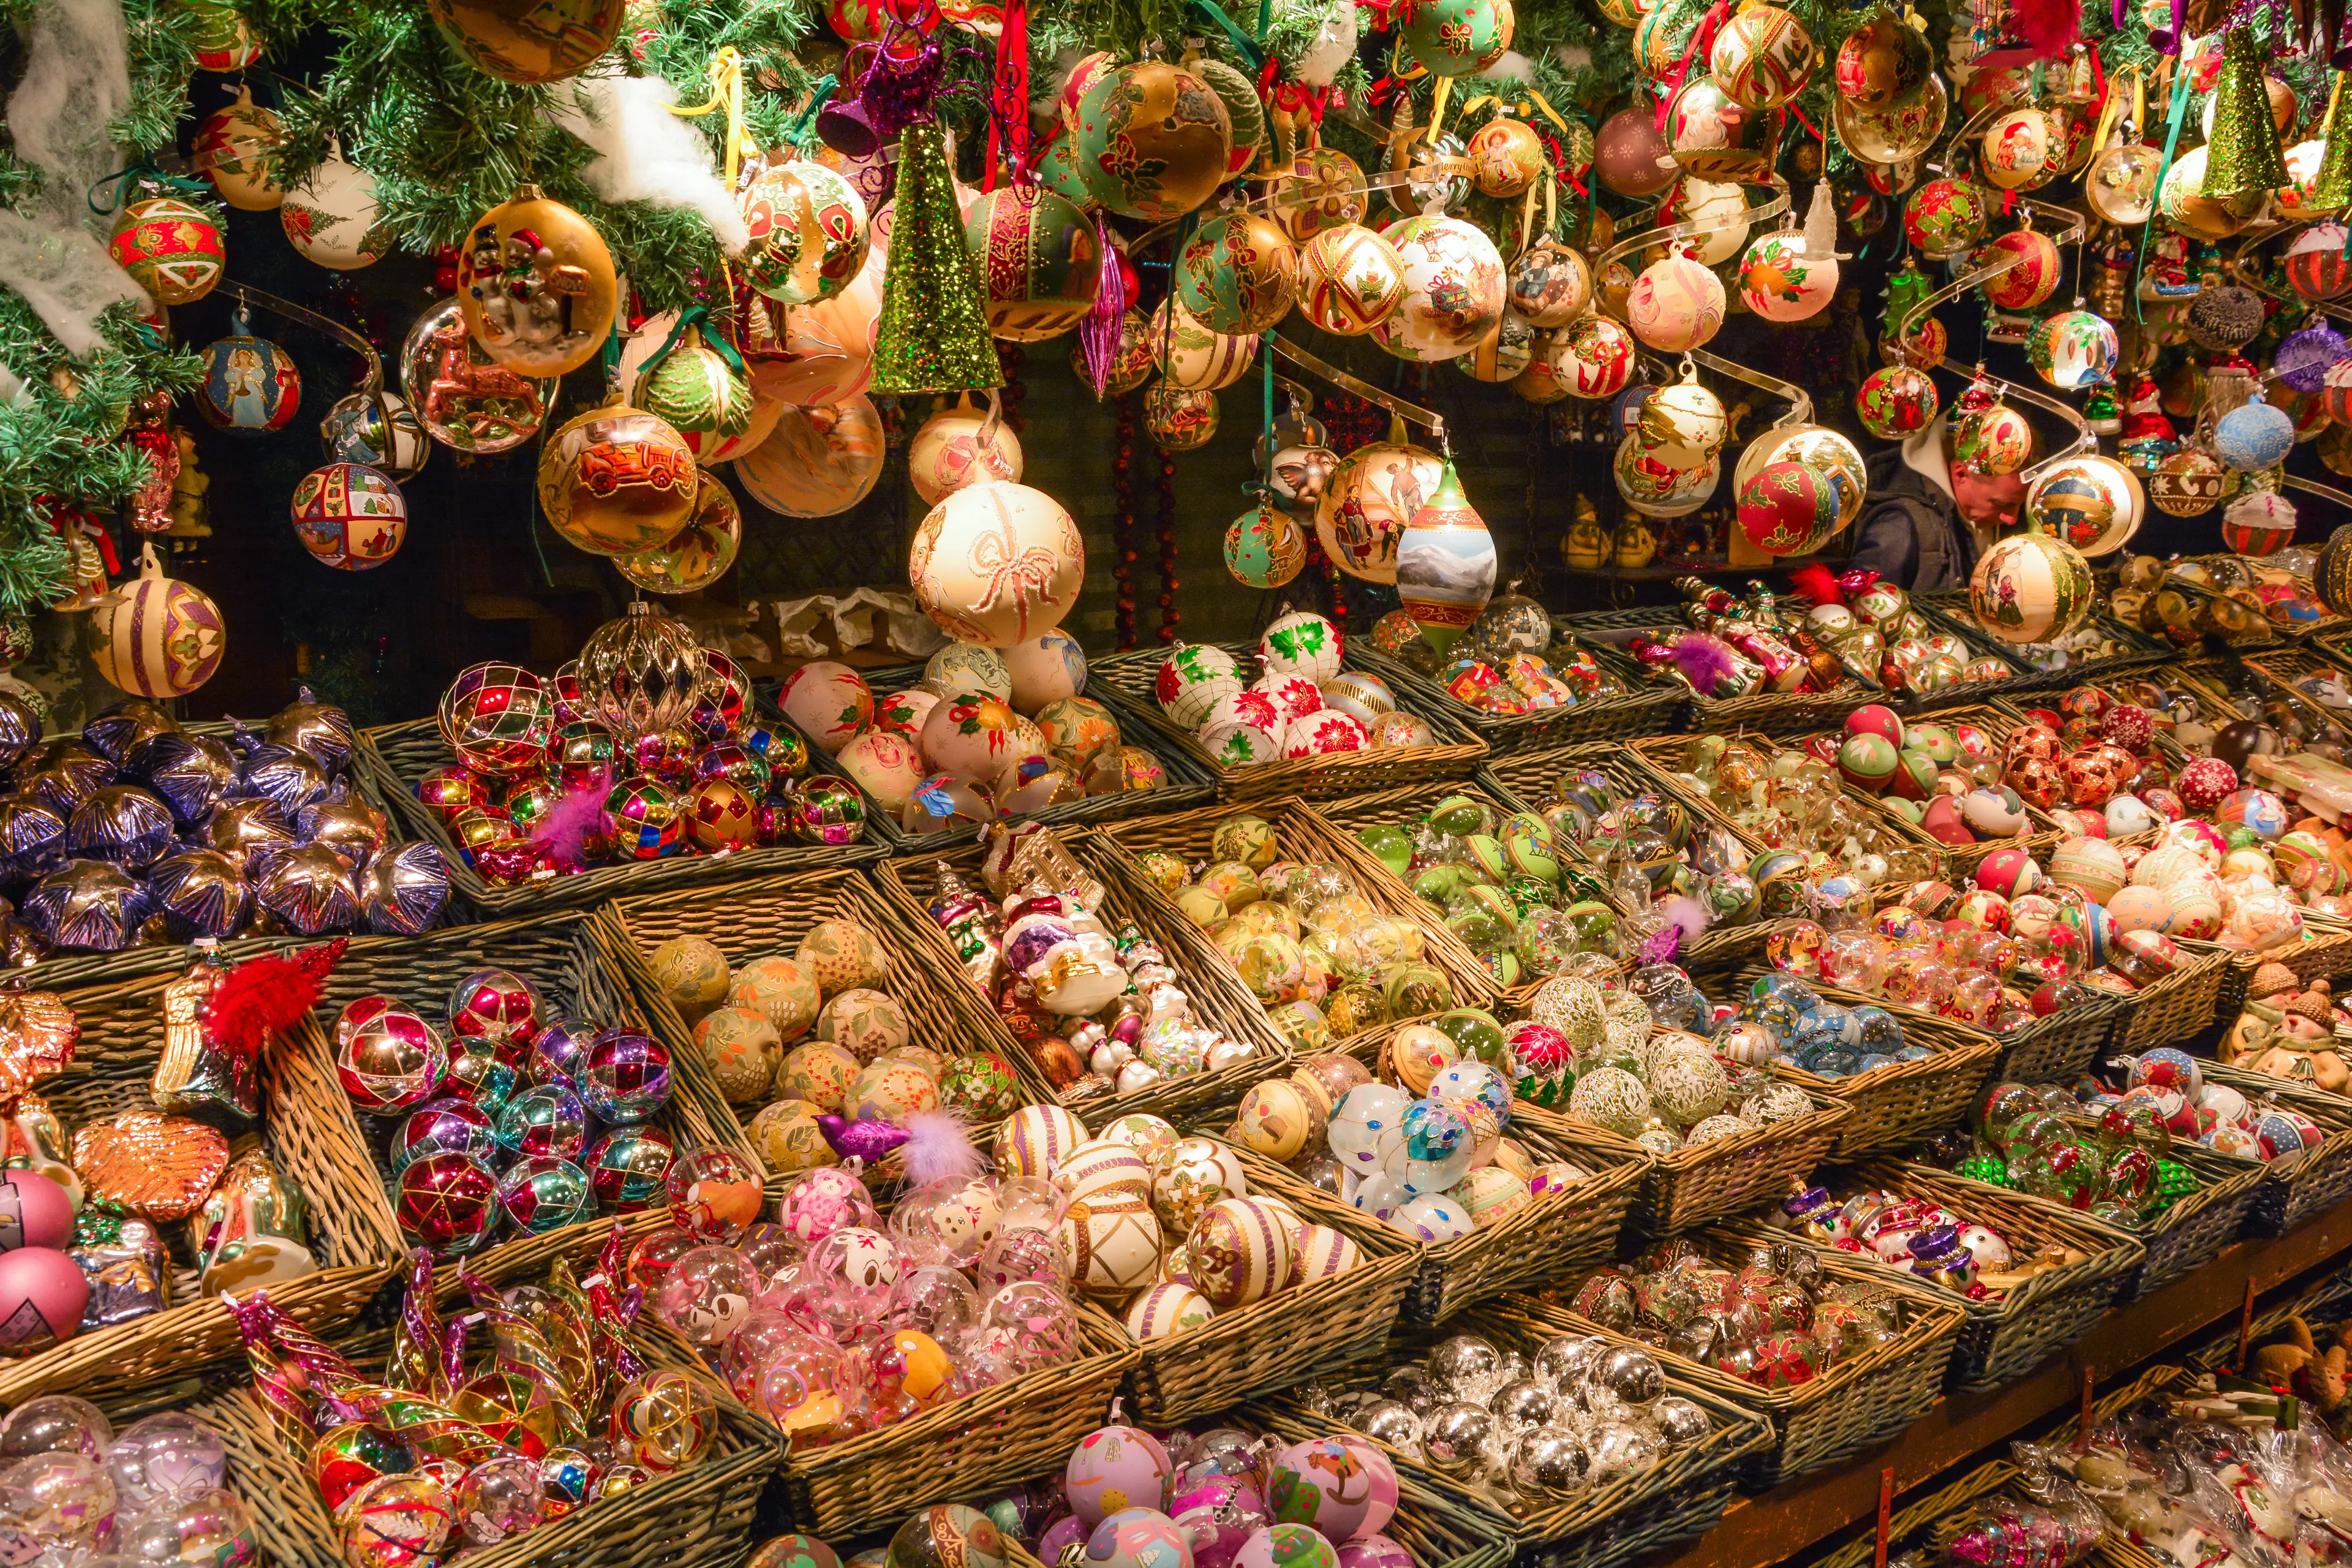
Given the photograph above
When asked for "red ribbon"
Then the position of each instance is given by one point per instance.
(1702, 41)
(1008, 98)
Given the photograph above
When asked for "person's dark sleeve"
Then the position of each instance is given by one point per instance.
(1885, 542)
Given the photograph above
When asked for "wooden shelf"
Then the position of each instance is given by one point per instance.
(1787, 1520)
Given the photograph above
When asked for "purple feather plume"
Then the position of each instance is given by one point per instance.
(563, 831)
(1706, 662)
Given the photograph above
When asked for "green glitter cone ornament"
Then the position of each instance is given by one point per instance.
(2243, 158)
(934, 332)
(2331, 189)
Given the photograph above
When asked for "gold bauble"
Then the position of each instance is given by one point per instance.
(617, 480)
(529, 41)
(536, 285)
(698, 554)
(1179, 419)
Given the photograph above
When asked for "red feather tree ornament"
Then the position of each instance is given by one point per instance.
(267, 996)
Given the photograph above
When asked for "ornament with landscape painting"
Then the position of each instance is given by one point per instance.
(1445, 563)
(1366, 502)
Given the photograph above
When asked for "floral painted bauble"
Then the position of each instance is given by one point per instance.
(1780, 282)
(702, 392)
(1454, 289)
(1238, 273)
(1350, 281)
(2031, 588)
(1179, 419)
(2033, 268)
(1676, 304)
(958, 445)
(153, 636)
(1302, 643)
(1590, 359)
(1194, 358)
(1944, 218)
(1151, 141)
(2316, 265)
(817, 461)
(331, 218)
(809, 231)
(1265, 548)
(2254, 437)
(250, 386)
(1993, 439)
(2188, 483)
(536, 284)
(236, 149)
(1896, 402)
(173, 248)
(1366, 502)
(1505, 156)
(1789, 508)
(1761, 57)
(997, 563)
(1040, 261)
(2023, 150)
(1458, 37)
(1323, 189)
(350, 516)
(2073, 350)
(2094, 503)
(1551, 285)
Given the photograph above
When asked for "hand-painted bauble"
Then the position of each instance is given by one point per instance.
(816, 462)
(1814, 446)
(2022, 150)
(152, 637)
(1265, 548)
(1350, 281)
(1151, 141)
(1896, 402)
(615, 480)
(2254, 437)
(1683, 424)
(250, 386)
(2031, 587)
(2033, 268)
(237, 148)
(2094, 503)
(1505, 156)
(701, 390)
(810, 231)
(2182, 201)
(1780, 281)
(2316, 264)
(2305, 355)
(1789, 508)
(2225, 317)
(1194, 358)
(1366, 502)
(2258, 522)
(1590, 359)
(1179, 420)
(1238, 273)
(959, 446)
(529, 43)
(350, 516)
(827, 348)
(1458, 37)
(331, 217)
(172, 248)
(1991, 440)
(700, 554)
(1630, 153)
(1761, 57)
(1445, 563)
(1243, 109)
(1711, 137)
(1453, 284)
(1322, 189)
(536, 284)
(1944, 218)
(465, 399)
(1721, 211)
(2073, 350)
(997, 563)
(378, 429)
(1504, 353)
(1551, 285)
(1676, 304)
(1040, 261)
(2188, 483)
(1881, 62)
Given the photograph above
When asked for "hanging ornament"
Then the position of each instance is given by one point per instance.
(1780, 281)
(1322, 189)
(1630, 153)
(1788, 508)
(2305, 356)
(809, 231)
(615, 480)
(1722, 209)
(2331, 187)
(1366, 502)
(1904, 129)
(1896, 402)
(1350, 281)
(1152, 141)
(1238, 273)
(2316, 265)
(219, 36)
(2120, 185)
(2094, 503)
(2254, 437)
(1944, 218)
(817, 462)
(2031, 587)
(350, 516)
(1503, 354)
(1815, 447)
(1506, 157)
(1039, 259)
(695, 384)
(1551, 285)
(2032, 275)
(171, 246)
(1192, 357)
(1265, 548)
(1761, 56)
(1682, 424)
(1590, 359)
(152, 637)
(2188, 483)
(1712, 137)
(1300, 473)
(961, 445)
(1130, 361)
(1456, 37)
(2073, 350)
(1988, 436)
(236, 149)
(377, 428)
(997, 563)
(330, 215)
(537, 286)
(250, 384)
(1676, 304)
(2022, 150)
(1664, 36)
(823, 353)
(2258, 523)
(1445, 563)
(1883, 62)
(640, 675)
(1453, 288)
(1179, 419)
(465, 399)
(2244, 159)
(700, 554)
(2182, 200)
(2225, 317)
(933, 335)
(529, 41)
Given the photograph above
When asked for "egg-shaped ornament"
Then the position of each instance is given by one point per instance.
(997, 563)
(818, 461)
(250, 386)
(152, 637)
(1781, 280)
(2031, 587)
(1676, 304)
(1944, 218)
(236, 149)
(963, 445)
(536, 285)
(1551, 285)
(695, 384)
(1194, 358)
(1590, 359)
(2030, 270)
(331, 217)
(529, 43)
(1151, 141)
(1458, 37)
(809, 228)
(2094, 503)
(1040, 261)
(377, 428)
(1896, 402)
(2317, 268)
(1367, 503)
(701, 553)
(172, 248)
(1454, 289)
(1506, 157)
(1238, 273)
(1761, 57)
(2073, 350)
(350, 516)
(1322, 188)
(2022, 150)
(1265, 548)
(615, 480)
(465, 399)
(1445, 563)
(1350, 281)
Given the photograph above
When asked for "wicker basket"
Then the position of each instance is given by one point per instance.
(1219, 997)
(770, 917)
(2294, 1192)
(1706, 1181)
(1641, 1518)
(1646, 707)
(1439, 1522)
(394, 757)
(1126, 682)
(1929, 1523)
(1951, 613)
(1191, 781)
(352, 1232)
(2323, 953)
(1302, 834)
(567, 955)
(701, 1517)
(1860, 1400)
(1768, 713)
(1289, 1337)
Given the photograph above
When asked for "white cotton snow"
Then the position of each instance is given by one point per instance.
(648, 153)
(77, 80)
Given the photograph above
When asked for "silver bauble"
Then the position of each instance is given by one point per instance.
(1620, 1453)
(1562, 1362)
(1386, 1421)
(1527, 1402)
(1407, 1384)
(1462, 1360)
(1681, 1421)
(1630, 1374)
(1454, 1438)
(1550, 1462)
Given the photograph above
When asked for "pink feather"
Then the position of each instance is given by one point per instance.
(1688, 913)
(938, 1149)
(1706, 662)
(563, 831)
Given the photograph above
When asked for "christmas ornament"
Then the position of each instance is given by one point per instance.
(2031, 587)
(2094, 503)
(2244, 159)
(642, 674)
(2022, 150)
(1444, 564)
(2188, 483)
(221, 39)
(1453, 288)
(1630, 152)
(1265, 548)
(1238, 93)
(809, 231)
(1761, 57)
(695, 384)
(1458, 37)
(700, 554)
(2120, 185)
(536, 285)
(1902, 131)
(1591, 358)
(529, 44)
(2181, 199)
(377, 428)
(1350, 281)
(1780, 281)
(1789, 508)
(1989, 437)
(250, 384)
(1151, 141)
(465, 399)
(1944, 218)
(1177, 419)
(1881, 62)
(1505, 156)
(1712, 137)
(235, 149)
(350, 516)
(615, 480)
(1237, 274)
(933, 333)
(2254, 437)
(959, 446)
(1676, 304)
(2258, 523)
(2316, 264)
(1896, 402)
(1040, 261)
(1322, 189)
(172, 248)
(1551, 285)
(152, 637)
(1367, 503)
(331, 216)
(2032, 269)
(2073, 350)
(1194, 358)
(816, 462)
(997, 563)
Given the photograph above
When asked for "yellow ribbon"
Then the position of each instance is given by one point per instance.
(2113, 108)
(726, 92)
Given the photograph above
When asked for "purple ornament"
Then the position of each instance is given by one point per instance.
(87, 904)
(557, 1050)
(403, 891)
(1114, 1468)
(625, 1076)
(307, 889)
(1374, 1551)
(189, 773)
(1219, 1514)
(344, 823)
(32, 838)
(199, 893)
(20, 729)
(1065, 1532)
(116, 731)
(292, 778)
(66, 774)
(122, 824)
(237, 828)
(867, 1141)
(319, 730)
(2304, 357)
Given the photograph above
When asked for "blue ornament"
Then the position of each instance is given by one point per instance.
(2254, 438)
(1880, 1032)
(250, 386)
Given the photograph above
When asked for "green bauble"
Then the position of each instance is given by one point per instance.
(1152, 141)
(1458, 38)
(1265, 548)
(1039, 261)
(1242, 108)
(701, 390)
(1238, 273)
(1059, 173)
